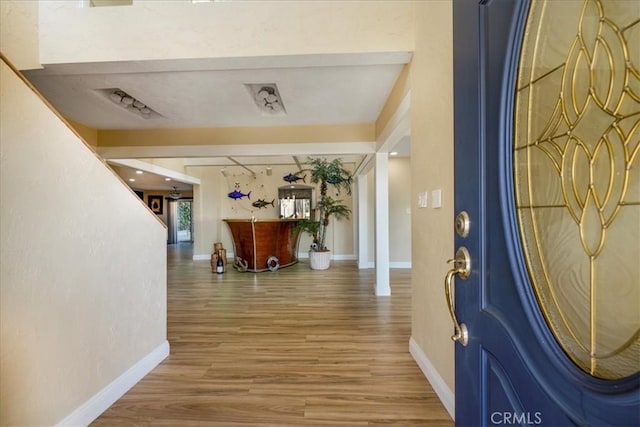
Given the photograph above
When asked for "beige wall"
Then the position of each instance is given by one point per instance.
(254, 28)
(235, 136)
(400, 89)
(173, 164)
(19, 33)
(90, 135)
(207, 210)
(399, 210)
(82, 267)
(371, 211)
(432, 168)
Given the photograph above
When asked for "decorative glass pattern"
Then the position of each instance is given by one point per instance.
(577, 176)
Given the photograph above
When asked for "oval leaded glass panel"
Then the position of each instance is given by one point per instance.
(576, 160)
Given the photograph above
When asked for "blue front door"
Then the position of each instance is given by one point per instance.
(545, 337)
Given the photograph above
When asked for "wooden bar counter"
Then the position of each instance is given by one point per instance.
(265, 244)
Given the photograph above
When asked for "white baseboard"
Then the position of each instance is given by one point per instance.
(366, 264)
(447, 397)
(372, 264)
(344, 257)
(301, 255)
(207, 257)
(337, 257)
(101, 401)
(400, 264)
(305, 255)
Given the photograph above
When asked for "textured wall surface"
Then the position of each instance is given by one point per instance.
(82, 267)
(400, 210)
(247, 29)
(19, 33)
(432, 168)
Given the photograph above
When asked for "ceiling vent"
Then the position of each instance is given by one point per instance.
(267, 98)
(129, 103)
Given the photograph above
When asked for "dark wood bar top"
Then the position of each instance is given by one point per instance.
(261, 220)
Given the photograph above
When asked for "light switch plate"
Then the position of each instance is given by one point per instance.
(436, 199)
(423, 199)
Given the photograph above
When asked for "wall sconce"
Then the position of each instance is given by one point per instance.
(269, 171)
(224, 172)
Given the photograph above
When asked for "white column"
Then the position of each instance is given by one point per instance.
(382, 224)
(363, 221)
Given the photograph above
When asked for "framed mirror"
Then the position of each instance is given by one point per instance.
(296, 201)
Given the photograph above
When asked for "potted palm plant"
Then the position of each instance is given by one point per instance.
(327, 174)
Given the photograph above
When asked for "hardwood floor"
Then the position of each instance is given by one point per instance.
(294, 347)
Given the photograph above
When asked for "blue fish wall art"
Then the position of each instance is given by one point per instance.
(235, 195)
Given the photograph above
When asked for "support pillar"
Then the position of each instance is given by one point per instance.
(383, 287)
(363, 221)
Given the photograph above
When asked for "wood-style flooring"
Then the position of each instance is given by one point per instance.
(294, 347)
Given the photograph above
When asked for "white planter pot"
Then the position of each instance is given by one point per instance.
(320, 260)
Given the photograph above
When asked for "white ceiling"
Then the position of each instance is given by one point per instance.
(206, 93)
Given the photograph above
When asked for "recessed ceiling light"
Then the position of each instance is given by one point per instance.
(139, 172)
(132, 180)
(167, 179)
(393, 153)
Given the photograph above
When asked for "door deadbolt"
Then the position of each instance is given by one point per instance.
(462, 224)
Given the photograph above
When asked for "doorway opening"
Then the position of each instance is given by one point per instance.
(180, 221)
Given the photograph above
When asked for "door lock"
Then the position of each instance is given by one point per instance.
(462, 224)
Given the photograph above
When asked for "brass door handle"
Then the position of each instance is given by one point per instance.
(462, 268)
